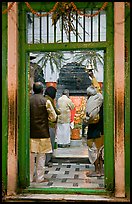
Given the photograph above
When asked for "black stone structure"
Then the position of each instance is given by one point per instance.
(73, 77)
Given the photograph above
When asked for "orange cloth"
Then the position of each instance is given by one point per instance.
(73, 114)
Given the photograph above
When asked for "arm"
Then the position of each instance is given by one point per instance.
(51, 111)
(53, 104)
(71, 104)
(94, 82)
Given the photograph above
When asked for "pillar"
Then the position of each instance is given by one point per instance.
(119, 79)
(12, 99)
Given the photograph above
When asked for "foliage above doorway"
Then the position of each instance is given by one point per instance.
(53, 58)
(56, 59)
(89, 57)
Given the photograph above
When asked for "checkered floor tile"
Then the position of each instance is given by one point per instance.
(70, 175)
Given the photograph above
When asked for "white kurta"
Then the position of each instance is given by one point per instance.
(63, 131)
(40, 145)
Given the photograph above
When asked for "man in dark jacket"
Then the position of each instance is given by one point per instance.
(41, 111)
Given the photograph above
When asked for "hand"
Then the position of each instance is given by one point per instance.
(72, 124)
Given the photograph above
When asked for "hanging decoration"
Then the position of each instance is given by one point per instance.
(89, 15)
(68, 12)
(128, 4)
(67, 5)
(41, 15)
(9, 8)
(65, 12)
(55, 7)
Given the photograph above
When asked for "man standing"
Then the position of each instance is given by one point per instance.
(94, 112)
(50, 94)
(41, 111)
(63, 131)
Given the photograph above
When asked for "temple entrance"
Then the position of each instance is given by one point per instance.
(38, 40)
(71, 75)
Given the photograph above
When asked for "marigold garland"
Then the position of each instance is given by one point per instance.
(128, 4)
(89, 15)
(63, 9)
(74, 8)
(9, 8)
(41, 15)
(55, 7)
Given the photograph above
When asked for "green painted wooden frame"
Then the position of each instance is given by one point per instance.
(23, 103)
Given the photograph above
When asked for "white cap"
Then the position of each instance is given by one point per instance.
(65, 92)
(91, 91)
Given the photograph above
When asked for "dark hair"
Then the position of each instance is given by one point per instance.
(50, 91)
(38, 87)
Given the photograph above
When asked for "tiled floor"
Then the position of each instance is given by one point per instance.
(68, 170)
(72, 175)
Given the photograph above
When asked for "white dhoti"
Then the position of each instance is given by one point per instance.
(94, 153)
(63, 133)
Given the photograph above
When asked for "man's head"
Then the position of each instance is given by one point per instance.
(91, 90)
(66, 92)
(38, 87)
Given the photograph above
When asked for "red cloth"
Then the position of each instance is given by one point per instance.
(73, 114)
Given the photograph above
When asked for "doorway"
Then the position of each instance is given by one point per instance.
(23, 95)
(70, 165)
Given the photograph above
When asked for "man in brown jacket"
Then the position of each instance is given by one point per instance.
(41, 111)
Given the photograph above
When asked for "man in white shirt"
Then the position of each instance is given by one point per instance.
(63, 131)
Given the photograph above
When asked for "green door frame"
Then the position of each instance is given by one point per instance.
(23, 102)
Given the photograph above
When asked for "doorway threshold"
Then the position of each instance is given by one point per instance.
(64, 198)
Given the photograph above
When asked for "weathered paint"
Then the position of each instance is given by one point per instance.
(109, 104)
(12, 99)
(119, 97)
(23, 137)
(22, 117)
(53, 190)
(23, 131)
(23, 123)
(127, 103)
(47, 6)
(4, 99)
(65, 46)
